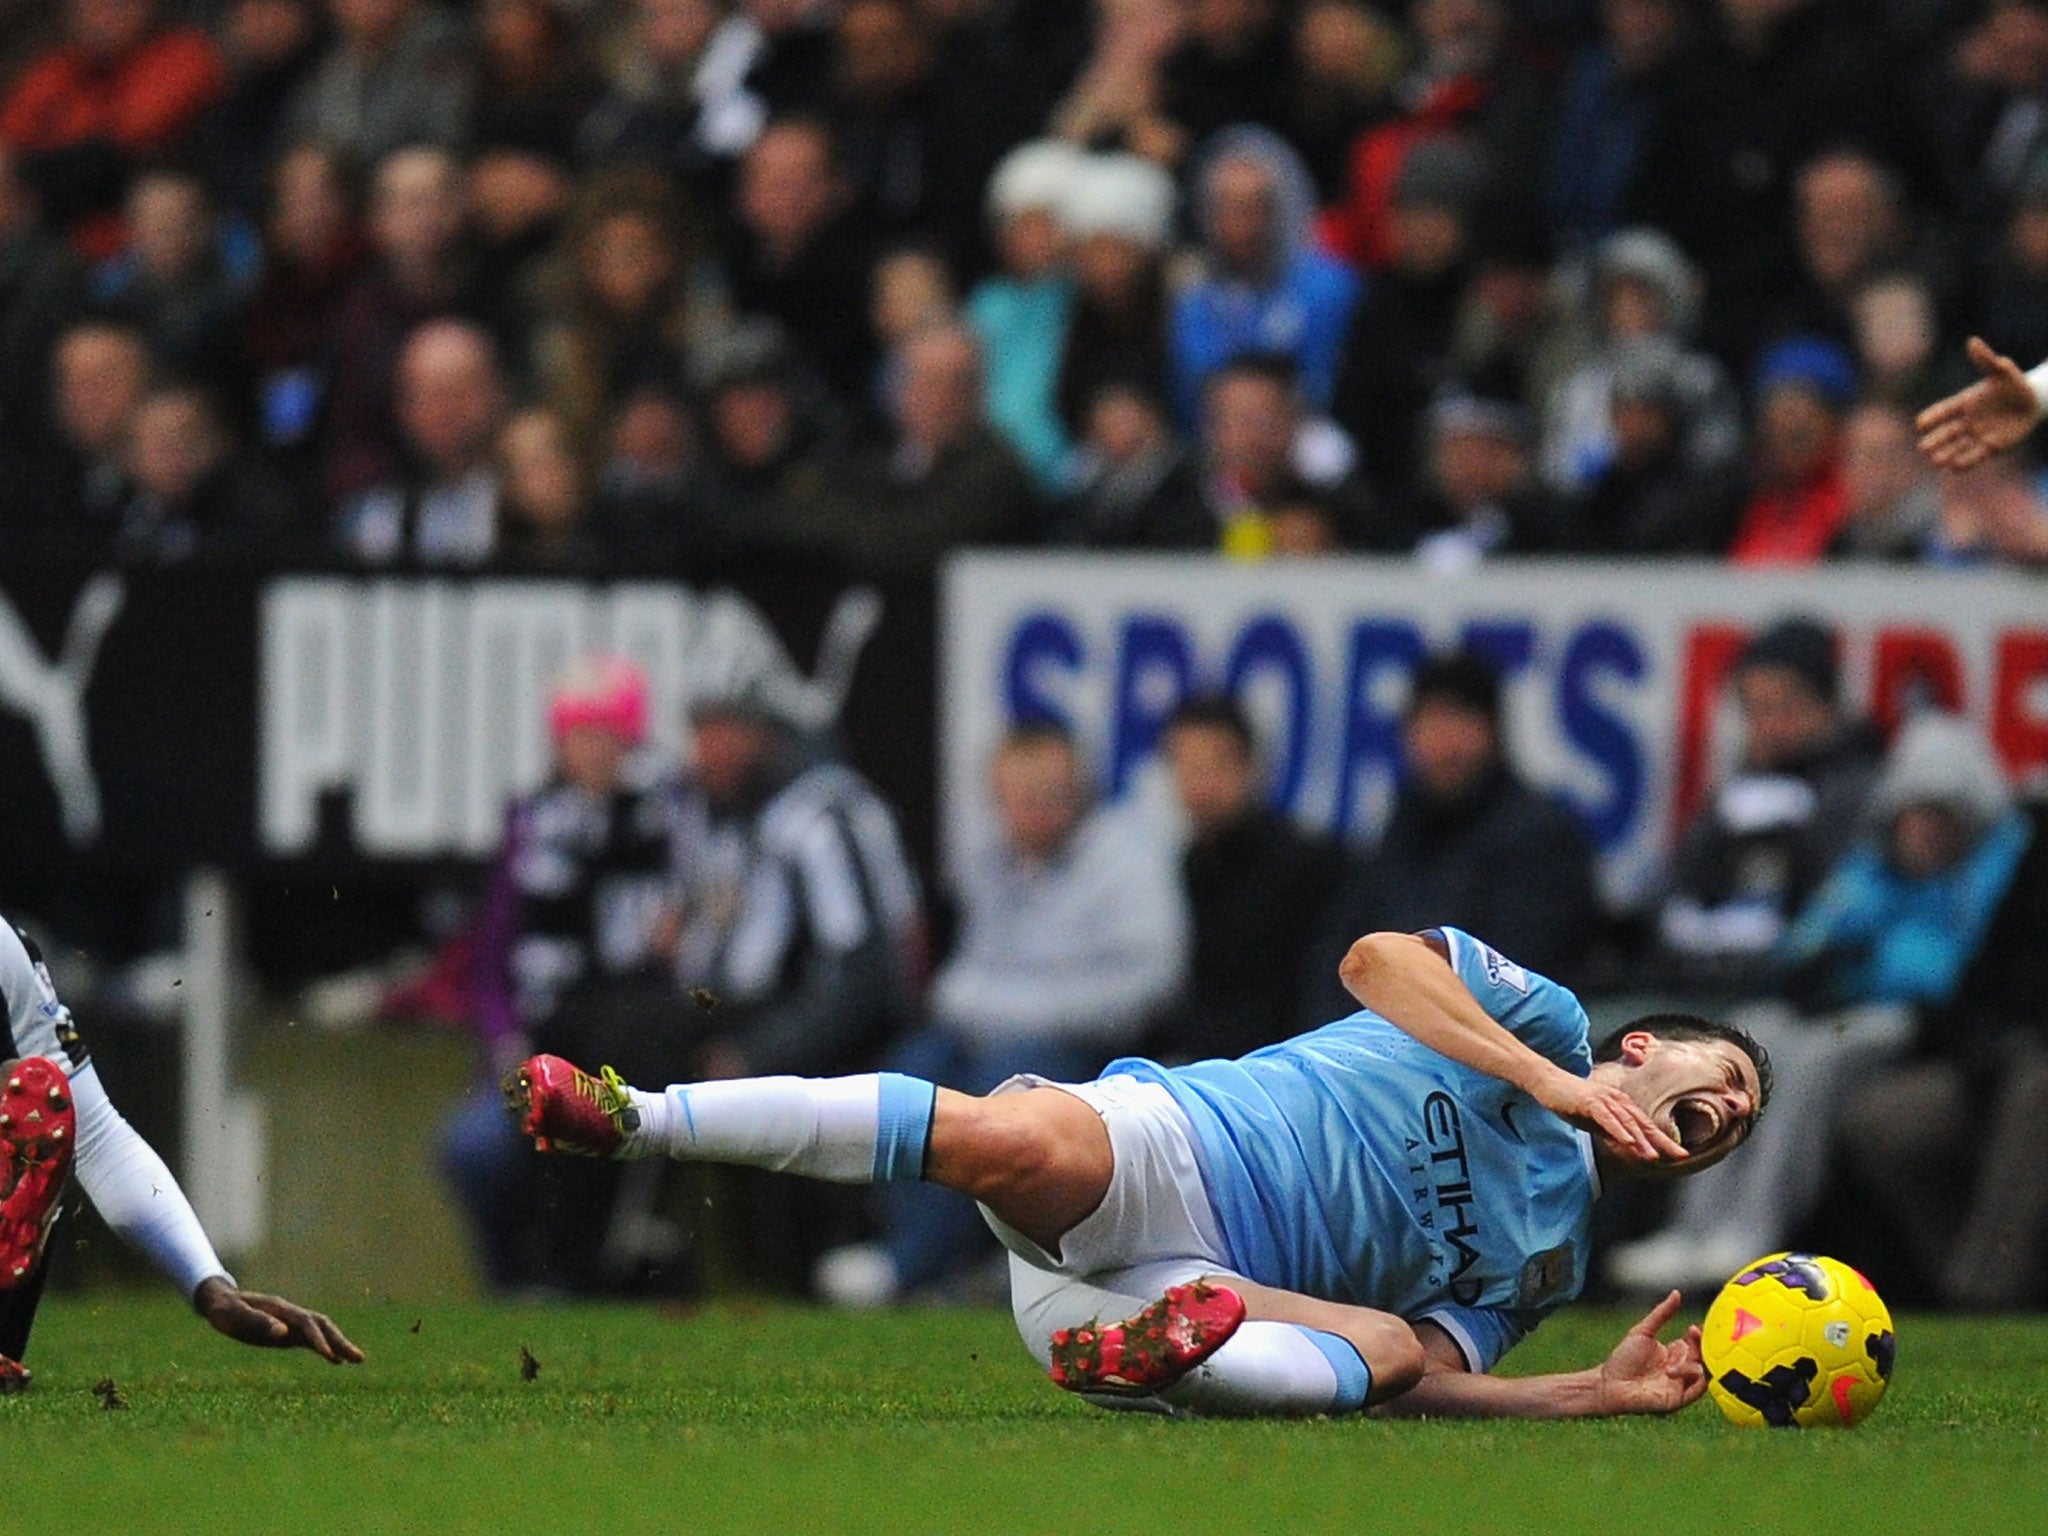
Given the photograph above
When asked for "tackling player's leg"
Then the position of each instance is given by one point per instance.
(37, 1136)
(1040, 1160)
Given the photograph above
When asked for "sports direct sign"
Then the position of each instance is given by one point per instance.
(1614, 673)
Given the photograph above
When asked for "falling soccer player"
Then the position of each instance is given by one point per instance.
(1369, 1214)
(53, 1115)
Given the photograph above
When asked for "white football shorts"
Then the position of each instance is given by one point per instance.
(1154, 1228)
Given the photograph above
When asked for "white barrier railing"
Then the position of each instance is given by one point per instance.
(225, 1130)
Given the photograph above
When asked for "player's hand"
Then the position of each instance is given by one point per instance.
(1987, 417)
(1646, 1375)
(1608, 1111)
(271, 1322)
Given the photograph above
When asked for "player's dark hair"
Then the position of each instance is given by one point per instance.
(1690, 1026)
(1215, 712)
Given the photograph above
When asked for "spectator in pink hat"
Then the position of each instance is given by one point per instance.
(574, 928)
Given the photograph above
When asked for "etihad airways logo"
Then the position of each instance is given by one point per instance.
(1447, 1187)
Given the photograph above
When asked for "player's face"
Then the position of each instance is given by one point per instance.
(1703, 1092)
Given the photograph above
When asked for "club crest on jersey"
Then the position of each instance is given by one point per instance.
(1548, 1276)
(1502, 971)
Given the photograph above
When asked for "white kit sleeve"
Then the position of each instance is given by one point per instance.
(2037, 380)
(134, 1192)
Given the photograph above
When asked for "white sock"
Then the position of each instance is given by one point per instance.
(851, 1130)
(1269, 1369)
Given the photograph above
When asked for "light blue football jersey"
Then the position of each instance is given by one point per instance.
(1356, 1164)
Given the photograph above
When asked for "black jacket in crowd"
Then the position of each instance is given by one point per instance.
(1256, 893)
(1505, 862)
(1768, 851)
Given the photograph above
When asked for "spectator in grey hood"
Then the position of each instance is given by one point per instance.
(1265, 286)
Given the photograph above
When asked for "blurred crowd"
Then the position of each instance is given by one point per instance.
(588, 287)
(585, 286)
(1872, 911)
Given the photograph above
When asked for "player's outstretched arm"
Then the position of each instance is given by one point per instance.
(271, 1322)
(1407, 980)
(1643, 1374)
(1987, 417)
(136, 1195)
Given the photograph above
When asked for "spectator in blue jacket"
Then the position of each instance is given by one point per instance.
(1947, 1146)
(1264, 287)
(1021, 314)
(1904, 912)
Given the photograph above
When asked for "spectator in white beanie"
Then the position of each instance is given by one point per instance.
(1125, 197)
(1035, 177)
(1022, 313)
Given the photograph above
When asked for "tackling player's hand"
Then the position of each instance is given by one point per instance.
(1607, 1110)
(271, 1322)
(1646, 1375)
(1987, 417)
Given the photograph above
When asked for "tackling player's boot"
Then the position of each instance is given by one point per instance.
(14, 1377)
(565, 1109)
(1153, 1349)
(37, 1129)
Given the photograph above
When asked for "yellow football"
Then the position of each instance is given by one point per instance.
(1797, 1340)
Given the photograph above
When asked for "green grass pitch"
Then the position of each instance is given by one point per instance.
(780, 1420)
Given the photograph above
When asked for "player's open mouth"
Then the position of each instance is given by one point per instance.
(1696, 1123)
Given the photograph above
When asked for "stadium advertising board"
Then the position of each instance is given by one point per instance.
(168, 719)
(425, 702)
(1614, 672)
